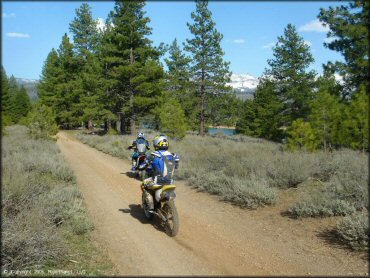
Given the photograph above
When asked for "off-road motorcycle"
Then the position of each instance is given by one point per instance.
(140, 165)
(159, 200)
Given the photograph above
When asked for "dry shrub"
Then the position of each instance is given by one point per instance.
(354, 230)
(40, 202)
(248, 171)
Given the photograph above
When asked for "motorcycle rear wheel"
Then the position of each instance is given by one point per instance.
(172, 223)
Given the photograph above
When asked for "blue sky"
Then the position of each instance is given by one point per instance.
(31, 29)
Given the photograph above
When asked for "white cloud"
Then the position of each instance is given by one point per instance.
(308, 43)
(338, 78)
(269, 45)
(314, 26)
(329, 40)
(101, 24)
(18, 35)
(239, 41)
(5, 15)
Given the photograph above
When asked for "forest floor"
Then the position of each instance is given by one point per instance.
(215, 237)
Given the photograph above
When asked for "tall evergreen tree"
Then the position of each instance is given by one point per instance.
(356, 123)
(325, 116)
(13, 92)
(178, 83)
(58, 84)
(224, 109)
(21, 104)
(5, 94)
(132, 65)
(50, 78)
(68, 110)
(288, 69)
(262, 116)
(209, 71)
(349, 30)
(89, 81)
(84, 30)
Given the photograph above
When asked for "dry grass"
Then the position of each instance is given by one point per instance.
(41, 205)
(249, 171)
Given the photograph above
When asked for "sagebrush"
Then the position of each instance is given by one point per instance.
(40, 203)
(249, 171)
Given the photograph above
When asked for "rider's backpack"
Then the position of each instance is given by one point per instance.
(164, 167)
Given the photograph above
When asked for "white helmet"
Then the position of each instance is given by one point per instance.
(160, 142)
(140, 135)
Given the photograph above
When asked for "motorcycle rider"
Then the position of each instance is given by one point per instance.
(135, 154)
(163, 163)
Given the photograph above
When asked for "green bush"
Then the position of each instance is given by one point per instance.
(301, 136)
(354, 230)
(41, 122)
(172, 117)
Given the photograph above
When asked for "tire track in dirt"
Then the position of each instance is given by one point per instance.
(215, 238)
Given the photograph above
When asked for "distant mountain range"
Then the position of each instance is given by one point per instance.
(30, 85)
(244, 85)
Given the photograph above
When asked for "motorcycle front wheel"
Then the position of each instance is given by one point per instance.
(147, 213)
(142, 175)
(172, 218)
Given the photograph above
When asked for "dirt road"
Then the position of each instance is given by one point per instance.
(215, 238)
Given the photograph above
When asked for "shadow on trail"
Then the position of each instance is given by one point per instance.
(132, 176)
(137, 212)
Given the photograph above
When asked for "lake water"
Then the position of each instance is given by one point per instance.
(226, 131)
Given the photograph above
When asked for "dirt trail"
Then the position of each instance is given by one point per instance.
(215, 238)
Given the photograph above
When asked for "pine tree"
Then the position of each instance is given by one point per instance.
(132, 70)
(224, 109)
(84, 30)
(50, 78)
(178, 83)
(288, 69)
(209, 71)
(356, 122)
(89, 85)
(5, 95)
(301, 136)
(325, 116)
(349, 25)
(245, 124)
(69, 96)
(261, 116)
(58, 84)
(13, 92)
(21, 104)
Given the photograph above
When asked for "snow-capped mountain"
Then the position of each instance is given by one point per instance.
(30, 85)
(26, 81)
(244, 84)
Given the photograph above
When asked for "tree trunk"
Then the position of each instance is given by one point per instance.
(118, 123)
(324, 117)
(132, 119)
(90, 125)
(202, 109)
(109, 125)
